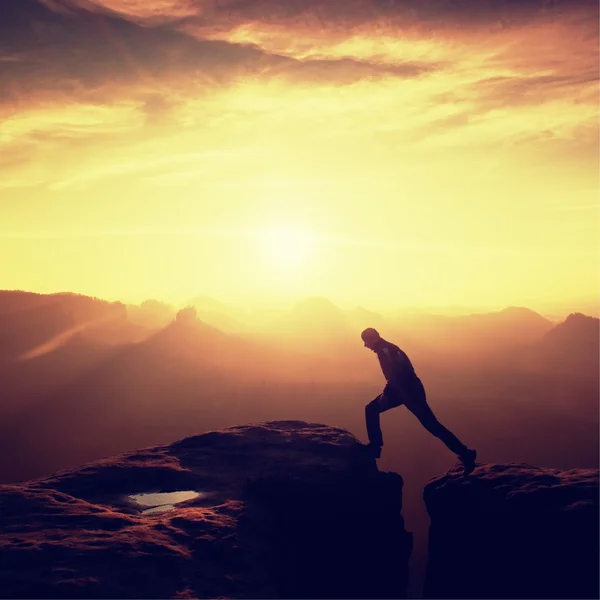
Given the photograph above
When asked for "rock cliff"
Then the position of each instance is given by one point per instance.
(278, 510)
(513, 531)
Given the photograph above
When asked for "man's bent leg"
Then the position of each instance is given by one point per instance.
(373, 424)
(417, 404)
(372, 412)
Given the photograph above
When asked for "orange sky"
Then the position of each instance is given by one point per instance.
(383, 153)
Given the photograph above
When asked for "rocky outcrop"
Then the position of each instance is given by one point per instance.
(513, 531)
(282, 510)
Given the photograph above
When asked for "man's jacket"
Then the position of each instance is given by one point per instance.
(396, 366)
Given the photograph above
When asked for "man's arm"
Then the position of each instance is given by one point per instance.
(400, 370)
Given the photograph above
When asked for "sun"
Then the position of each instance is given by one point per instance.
(287, 246)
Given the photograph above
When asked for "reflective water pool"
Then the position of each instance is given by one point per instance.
(162, 502)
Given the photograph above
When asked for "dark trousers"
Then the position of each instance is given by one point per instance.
(415, 400)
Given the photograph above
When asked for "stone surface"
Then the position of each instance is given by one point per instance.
(287, 510)
(513, 531)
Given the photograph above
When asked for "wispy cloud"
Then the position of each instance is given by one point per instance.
(104, 88)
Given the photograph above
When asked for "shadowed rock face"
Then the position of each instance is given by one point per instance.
(513, 531)
(286, 510)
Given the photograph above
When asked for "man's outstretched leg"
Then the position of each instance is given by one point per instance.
(417, 404)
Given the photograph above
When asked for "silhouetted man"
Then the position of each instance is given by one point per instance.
(404, 387)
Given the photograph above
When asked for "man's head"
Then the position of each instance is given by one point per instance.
(371, 338)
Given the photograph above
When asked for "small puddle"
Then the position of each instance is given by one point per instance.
(162, 502)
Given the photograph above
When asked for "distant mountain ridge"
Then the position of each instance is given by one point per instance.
(573, 346)
(317, 321)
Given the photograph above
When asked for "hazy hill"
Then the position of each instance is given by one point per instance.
(119, 395)
(361, 318)
(479, 336)
(226, 318)
(578, 335)
(116, 391)
(13, 301)
(23, 330)
(508, 325)
(151, 314)
(319, 326)
(315, 318)
(572, 348)
(34, 323)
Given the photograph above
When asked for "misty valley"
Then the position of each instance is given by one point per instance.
(85, 379)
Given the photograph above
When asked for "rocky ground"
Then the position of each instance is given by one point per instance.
(513, 531)
(289, 509)
(285, 509)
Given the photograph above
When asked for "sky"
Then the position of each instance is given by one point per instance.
(378, 152)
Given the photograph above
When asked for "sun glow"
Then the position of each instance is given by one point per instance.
(287, 246)
(365, 156)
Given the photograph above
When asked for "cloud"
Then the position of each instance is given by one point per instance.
(155, 11)
(83, 52)
(200, 74)
(76, 46)
(445, 13)
(62, 51)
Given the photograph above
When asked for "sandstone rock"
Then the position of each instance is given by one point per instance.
(513, 531)
(286, 510)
